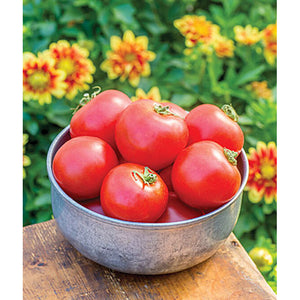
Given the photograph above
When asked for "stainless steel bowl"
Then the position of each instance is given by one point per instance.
(142, 248)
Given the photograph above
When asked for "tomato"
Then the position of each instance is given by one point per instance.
(178, 211)
(80, 165)
(149, 134)
(98, 117)
(133, 192)
(165, 174)
(209, 122)
(94, 205)
(203, 177)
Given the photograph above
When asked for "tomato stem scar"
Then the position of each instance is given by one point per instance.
(230, 112)
(231, 156)
(164, 110)
(147, 176)
(87, 98)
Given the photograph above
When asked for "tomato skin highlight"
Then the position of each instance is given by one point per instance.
(178, 211)
(80, 165)
(146, 137)
(209, 122)
(98, 117)
(125, 196)
(202, 176)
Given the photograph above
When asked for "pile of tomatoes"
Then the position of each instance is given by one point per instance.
(145, 161)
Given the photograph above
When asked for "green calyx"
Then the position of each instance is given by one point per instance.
(230, 112)
(87, 98)
(231, 156)
(147, 177)
(164, 110)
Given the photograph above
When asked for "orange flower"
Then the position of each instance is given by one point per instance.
(262, 181)
(223, 46)
(40, 78)
(261, 90)
(247, 36)
(153, 94)
(269, 38)
(73, 60)
(129, 58)
(196, 29)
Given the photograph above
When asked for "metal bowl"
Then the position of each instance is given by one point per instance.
(142, 248)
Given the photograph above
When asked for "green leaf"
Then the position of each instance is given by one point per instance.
(174, 75)
(246, 223)
(230, 6)
(258, 212)
(42, 200)
(44, 215)
(32, 127)
(70, 31)
(250, 75)
(72, 14)
(47, 28)
(184, 100)
(155, 28)
(268, 208)
(217, 13)
(124, 13)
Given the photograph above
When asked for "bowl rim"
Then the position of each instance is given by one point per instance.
(140, 225)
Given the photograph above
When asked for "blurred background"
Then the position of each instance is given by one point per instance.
(187, 52)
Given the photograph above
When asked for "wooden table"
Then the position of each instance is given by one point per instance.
(53, 269)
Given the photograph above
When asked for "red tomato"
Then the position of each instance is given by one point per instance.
(98, 117)
(165, 174)
(178, 211)
(80, 165)
(94, 205)
(133, 192)
(148, 133)
(209, 122)
(203, 177)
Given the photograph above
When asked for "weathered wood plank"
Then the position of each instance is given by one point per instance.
(53, 269)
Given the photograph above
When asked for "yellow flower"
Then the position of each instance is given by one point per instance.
(73, 61)
(128, 58)
(40, 78)
(196, 29)
(269, 38)
(262, 180)
(247, 36)
(261, 90)
(223, 46)
(153, 94)
(26, 159)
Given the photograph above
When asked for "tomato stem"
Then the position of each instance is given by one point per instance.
(147, 176)
(230, 112)
(87, 98)
(164, 110)
(231, 156)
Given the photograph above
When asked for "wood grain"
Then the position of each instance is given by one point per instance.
(53, 269)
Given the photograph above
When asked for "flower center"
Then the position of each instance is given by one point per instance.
(39, 80)
(202, 29)
(130, 57)
(268, 171)
(67, 65)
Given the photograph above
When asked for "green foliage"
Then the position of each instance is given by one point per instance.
(187, 80)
